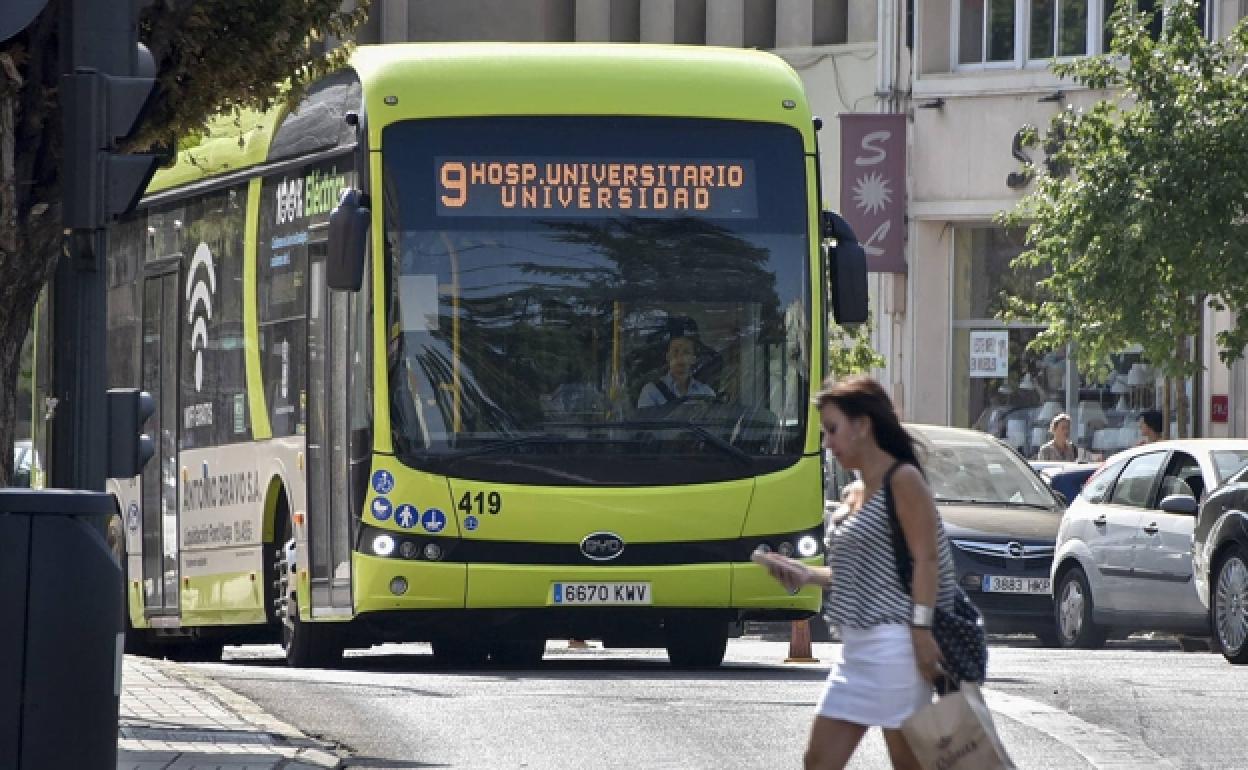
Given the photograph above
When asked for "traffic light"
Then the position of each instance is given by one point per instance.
(103, 100)
(129, 448)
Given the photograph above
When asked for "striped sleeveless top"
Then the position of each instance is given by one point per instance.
(865, 589)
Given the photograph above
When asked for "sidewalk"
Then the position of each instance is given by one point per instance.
(174, 719)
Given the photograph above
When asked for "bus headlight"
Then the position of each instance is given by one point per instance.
(408, 550)
(785, 548)
(383, 545)
(807, 546)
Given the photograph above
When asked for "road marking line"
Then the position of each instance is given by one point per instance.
(1105, 749)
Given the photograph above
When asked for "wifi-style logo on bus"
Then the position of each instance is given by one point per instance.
(201, 286)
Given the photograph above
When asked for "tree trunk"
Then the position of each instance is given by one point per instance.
(1165, 408)
(30, 194)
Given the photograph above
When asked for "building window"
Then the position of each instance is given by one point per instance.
(986, 31)
(1001, 387)
(1058, 28)
(995, 33)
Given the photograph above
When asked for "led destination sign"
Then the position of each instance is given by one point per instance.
(591, 187)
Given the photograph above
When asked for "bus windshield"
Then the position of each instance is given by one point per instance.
(597, 300)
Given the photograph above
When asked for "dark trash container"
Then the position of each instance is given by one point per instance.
(61, 646)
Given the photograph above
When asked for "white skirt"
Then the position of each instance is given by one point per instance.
(876, 683)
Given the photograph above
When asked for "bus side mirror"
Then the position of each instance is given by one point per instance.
(847, 271)
(348, 241)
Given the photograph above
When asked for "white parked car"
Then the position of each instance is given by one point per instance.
(1124, 554)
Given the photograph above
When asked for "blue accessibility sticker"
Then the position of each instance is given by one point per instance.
(383, 482)
(470, 523)
(382, 508)
(406, 516)
(434, 520)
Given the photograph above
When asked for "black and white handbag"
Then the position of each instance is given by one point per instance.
(959, 630)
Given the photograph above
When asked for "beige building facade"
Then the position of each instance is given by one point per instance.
(980, 73)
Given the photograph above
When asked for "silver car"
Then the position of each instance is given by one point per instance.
(1124, 548)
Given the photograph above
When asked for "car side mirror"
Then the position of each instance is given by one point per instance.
(847, 270)
(348, 241)
(1182, 504)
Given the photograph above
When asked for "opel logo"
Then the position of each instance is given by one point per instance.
(602, 546)
(1015, 549)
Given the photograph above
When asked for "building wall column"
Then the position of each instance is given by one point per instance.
(393, 25)
(795, 23)
(725, 23)
(658, 21)
(593, 21)
(926, 376)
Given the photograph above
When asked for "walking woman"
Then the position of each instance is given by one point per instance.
(890, 658)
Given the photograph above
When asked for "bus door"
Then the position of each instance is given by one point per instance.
(329, 530)
(159, 482)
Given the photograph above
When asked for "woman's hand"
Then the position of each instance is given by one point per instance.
(790, 573)
(927, 654)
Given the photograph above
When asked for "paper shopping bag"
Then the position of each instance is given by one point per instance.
(955, 732)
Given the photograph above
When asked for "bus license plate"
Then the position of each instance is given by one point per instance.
(601, 593)
(1000, 584)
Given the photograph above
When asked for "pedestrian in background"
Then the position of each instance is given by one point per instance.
(1150, 426)
(1059, 449)
(890, 660)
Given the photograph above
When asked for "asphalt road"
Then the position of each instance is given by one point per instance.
(1140, 704)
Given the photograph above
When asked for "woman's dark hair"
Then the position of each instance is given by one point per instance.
(862, 396)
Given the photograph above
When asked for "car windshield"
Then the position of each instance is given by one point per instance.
(1229, 462)
(965, 468)
(582, 300)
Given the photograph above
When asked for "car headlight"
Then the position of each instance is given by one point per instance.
(383, 545)
(807, 546)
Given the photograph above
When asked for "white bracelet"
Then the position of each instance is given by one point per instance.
(921, 616)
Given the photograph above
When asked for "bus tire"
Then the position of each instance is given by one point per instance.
(696, 644)
(136, 639)
(307, 645)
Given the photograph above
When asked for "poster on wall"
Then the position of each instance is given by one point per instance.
(990, 353)
(873, 186)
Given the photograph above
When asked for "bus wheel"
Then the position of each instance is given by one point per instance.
(696, 644)
(459, 651)
(307, 645)
(518, 653)
(136, 639)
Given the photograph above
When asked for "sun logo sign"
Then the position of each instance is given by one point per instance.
(201, 286)
(871, 193)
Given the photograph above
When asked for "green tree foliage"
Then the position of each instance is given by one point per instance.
(850, 351)
(212, 55)
(1138, 218)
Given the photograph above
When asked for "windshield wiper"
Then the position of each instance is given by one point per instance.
(734, 452)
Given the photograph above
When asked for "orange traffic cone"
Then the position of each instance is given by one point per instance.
(799, 643)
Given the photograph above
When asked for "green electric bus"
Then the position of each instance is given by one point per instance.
(405, 342)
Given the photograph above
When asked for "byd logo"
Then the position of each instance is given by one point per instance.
(602, 546)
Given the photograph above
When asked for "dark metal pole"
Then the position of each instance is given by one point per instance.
(80, 338)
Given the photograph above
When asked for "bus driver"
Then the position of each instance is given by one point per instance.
(678, 384)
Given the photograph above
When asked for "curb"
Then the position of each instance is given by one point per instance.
(310, 755)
